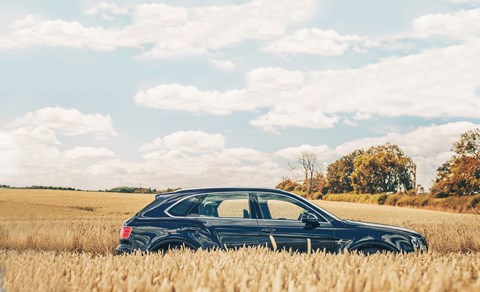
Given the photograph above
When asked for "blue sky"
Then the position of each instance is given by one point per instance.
(97, 94)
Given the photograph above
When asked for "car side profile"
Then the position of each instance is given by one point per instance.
(226, 218)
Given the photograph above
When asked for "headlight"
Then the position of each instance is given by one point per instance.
(415, 242)
(419, 243)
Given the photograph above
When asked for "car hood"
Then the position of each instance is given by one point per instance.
(381, 227)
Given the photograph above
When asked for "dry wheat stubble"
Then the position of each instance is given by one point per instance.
(243, 270)
(62, 241)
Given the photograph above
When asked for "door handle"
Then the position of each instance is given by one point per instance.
(267, 230)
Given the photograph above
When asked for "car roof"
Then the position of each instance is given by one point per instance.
(219, 190)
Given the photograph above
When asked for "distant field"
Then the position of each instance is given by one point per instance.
(63, 240)
(64, 220)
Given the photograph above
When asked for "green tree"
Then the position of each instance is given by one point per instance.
(460, 176)
(384, 168)
(339, 174)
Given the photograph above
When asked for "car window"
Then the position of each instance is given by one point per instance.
(185, 207)
(278, 207)
(225, 205)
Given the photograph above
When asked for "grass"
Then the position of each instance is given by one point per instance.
(452, 204)
(63, 240)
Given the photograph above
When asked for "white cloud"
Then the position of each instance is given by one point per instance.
(283, 117)
(196, 158)
(224, 65)
(34, 134)
(186, 141)
(439, 82)
(314, 41)
(246, 154)
(172, 30)
(434, 83)
(347, 121)
(279, 91)
(106, 10)
(70, 122)
(267, 80)
(463, 24)
(359, 116)
(261, 83)
(85, 152)
(148, 17)
(323, 152)
(32, 154)
(9, 157)
(465, 1)
(190, 98)
(32, 31)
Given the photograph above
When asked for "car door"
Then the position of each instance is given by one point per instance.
(225, 220)
(280, 221)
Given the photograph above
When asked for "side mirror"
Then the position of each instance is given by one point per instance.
(309, 218)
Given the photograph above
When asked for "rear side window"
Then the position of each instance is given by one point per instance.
(155, 210)
(225, 205)
(186, 207)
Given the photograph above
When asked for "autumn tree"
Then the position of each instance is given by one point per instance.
(384, 168)
(317, 186)
(339, 174)
(460, 176)
(468, 145)
(287, 185)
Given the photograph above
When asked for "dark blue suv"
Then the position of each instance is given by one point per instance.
(235, 217)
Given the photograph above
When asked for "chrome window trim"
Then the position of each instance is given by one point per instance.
(207, 217)
(313, 208)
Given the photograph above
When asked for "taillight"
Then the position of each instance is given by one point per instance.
(125, 232)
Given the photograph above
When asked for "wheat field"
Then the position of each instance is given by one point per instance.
(63, 241)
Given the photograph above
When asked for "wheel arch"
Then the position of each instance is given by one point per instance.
(163, 243)
(373, 244)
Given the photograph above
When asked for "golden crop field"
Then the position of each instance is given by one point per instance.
(63, 241)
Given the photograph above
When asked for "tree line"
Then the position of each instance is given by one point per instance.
(387, 169)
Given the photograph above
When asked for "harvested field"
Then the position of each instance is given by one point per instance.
(243, 270)
(62, 240)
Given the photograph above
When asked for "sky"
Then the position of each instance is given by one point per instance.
(100, 94)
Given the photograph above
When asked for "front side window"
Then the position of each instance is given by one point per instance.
(226, 205)
(278, 207)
